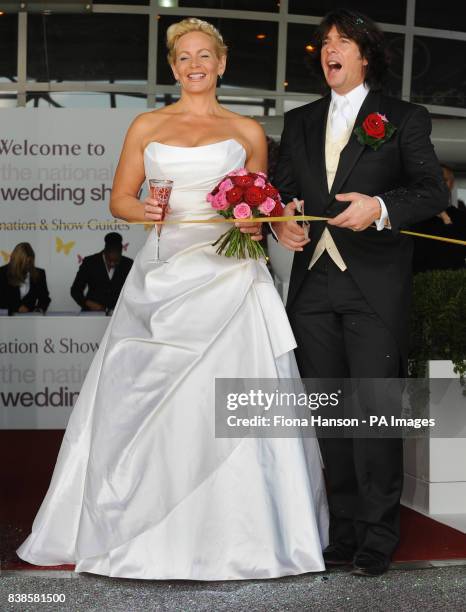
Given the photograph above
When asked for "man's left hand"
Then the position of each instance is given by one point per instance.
(360, 214)
(254, 229)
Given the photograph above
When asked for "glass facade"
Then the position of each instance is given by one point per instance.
(238, 5)
(387, 12)
(447, 15)
(101, 47)
(8, 48)
(116, 55)
(435, 79)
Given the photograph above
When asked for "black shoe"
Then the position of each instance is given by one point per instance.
(338, 555)
(366, 564)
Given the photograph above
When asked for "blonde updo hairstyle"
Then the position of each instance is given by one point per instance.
(192, 24)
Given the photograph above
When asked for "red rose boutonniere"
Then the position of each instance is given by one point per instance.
(375, 130)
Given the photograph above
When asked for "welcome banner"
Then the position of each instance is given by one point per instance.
(56, 173)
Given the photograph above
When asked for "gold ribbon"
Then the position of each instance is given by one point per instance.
(283, 219)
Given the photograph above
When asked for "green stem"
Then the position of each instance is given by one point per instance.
(236, 244)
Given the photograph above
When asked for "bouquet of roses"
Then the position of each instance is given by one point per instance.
(243, 195)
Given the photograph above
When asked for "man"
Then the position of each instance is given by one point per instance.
(103, 274)
(349, 293)
(450, 223)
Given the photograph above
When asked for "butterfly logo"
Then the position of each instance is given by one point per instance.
(125, 246)
(63, 246)
(5, 255)
(80, 259)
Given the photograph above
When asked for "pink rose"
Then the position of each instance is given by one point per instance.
(225, 185)
(259, 182)
(239, 172)
(220, 201)
(210, 198)
(267, 206)
(241, 211)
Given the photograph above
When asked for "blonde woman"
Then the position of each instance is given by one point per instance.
(23, 287)
(143, 488)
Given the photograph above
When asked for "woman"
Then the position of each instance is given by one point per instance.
(143, 488)
(23, 287)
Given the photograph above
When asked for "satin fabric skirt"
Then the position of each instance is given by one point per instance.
(142, 488)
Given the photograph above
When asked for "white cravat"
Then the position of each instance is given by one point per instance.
(341, 118)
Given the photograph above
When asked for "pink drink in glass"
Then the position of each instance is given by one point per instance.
(160, 190)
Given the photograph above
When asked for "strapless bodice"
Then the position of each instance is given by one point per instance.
(194, 171)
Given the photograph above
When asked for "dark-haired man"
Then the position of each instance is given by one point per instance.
(349, 293)
(103, 274)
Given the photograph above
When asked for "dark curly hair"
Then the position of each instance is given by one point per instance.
(365, 33)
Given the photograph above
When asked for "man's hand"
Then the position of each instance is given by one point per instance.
(290, 235)
(445, 217)
(23, 308)
(360, 214)
(91, 305)
(248, 227)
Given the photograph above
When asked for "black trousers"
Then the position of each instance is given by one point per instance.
(340, 336)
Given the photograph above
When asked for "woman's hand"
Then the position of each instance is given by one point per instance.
(248, 227)
(152, 209)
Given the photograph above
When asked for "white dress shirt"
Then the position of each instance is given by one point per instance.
(110, 271)
(25, 286)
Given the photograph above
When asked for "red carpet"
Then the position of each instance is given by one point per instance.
(27, 459)
(423, 539)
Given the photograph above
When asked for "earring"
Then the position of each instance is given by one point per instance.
(177, 83)
(220, 76)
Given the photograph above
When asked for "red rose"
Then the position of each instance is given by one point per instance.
(270, 191)
(277, 211)
(374, 126)
(254, 195)
(244, 180)
(234, 195)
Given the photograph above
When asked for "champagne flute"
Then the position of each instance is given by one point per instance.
(160, 190)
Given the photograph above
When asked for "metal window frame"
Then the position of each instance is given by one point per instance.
(151, 89)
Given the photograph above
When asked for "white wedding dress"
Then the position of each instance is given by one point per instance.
(141, 487)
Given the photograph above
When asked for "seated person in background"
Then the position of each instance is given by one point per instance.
(449, 178)
(103, 274)
(450, 223)
(23, 287)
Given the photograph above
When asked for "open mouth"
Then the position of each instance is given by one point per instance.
(196, 76)
(333, 67)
